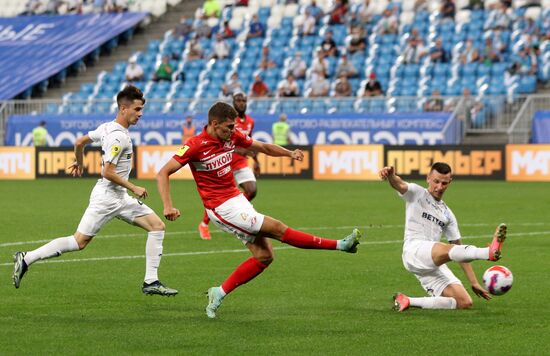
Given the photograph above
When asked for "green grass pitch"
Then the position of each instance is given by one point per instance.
(306, 302)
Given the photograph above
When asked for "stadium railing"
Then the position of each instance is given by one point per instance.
(519, 130)
(513, 118)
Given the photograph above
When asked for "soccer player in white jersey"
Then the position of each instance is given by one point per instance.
(109, 198)
(427, 219)
(209, 156)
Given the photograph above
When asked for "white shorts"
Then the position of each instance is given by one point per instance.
(106, 205)
(238, 217)
(244, 175)
(417, 258)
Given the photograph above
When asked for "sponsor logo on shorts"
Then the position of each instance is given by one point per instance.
(244, 216)
(253, 221)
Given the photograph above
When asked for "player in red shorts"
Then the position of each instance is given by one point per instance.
(209, 156)
(244, 176)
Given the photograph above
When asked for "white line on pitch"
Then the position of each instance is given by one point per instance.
(110, 258)
(188, 232)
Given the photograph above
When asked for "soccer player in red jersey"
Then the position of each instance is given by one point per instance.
(209, 156)
(244, 176)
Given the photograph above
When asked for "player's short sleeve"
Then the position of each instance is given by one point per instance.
(413, 191)
(184, 154)
(95, 135)
(113, 146)
(242, 140)
(452, 232)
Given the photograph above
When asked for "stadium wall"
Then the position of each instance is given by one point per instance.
(520, 163)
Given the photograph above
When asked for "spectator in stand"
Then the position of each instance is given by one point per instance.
(342, 86)
(221, 48)
(226, 31)
(346, 67)
(297, 66)
(182, 29)
(266, 62)
(498, 18)
(164, 70)
(308, 26)
(387, 24)
(211, 8)
(447, 10)
(357, 39)
(469, 53)
(438, 54)
(315, 10)
(527, 61)
(194, 49)
(365, 12)
(373, 86)
(234, 84)
(133, 72)
(241, 3)
(318, 86)
(328, 45)
(414, 52)
(319, 64)
(256, 28)
(202, 29)
(225, 94)
(489, 54)
(337, 15)
(435, 102)
(288, 87)
(421, 5)
(472, 106)
(259, 88)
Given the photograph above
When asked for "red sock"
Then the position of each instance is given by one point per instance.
(205, 218)
(302, 240)
(244, 273)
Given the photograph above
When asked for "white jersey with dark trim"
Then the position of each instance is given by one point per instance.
(426, 218)
(116, 148)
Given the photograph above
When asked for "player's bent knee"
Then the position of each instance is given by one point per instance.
(265, 259)
(464, 303)
(82, 240)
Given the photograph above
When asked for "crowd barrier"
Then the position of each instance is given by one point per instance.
(520, 163)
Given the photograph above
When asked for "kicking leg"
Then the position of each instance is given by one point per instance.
(277, 230)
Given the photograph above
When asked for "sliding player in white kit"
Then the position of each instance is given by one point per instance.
(109, 198)
(427, 219)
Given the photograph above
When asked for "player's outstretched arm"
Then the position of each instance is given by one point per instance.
(76, 169)
(388, 173)
(271, 149)
(163, 186)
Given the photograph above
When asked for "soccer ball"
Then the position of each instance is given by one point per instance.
(498, 280)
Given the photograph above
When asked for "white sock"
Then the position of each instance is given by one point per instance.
(153, 253)
(433, 303)
(467, 253)
(53, 248)
(222, 292)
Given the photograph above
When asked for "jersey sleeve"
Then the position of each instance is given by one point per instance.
(95, 135)
(184, 154)
(451, 230)
(113, 147)
(413, 190)
(242, 140)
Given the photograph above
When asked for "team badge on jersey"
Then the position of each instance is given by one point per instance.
(115, 150)
(181, 151)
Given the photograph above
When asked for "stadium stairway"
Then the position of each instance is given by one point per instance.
(155, 30)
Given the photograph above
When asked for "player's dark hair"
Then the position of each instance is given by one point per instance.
(441, 167)
(128, 95)
(221, 112)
